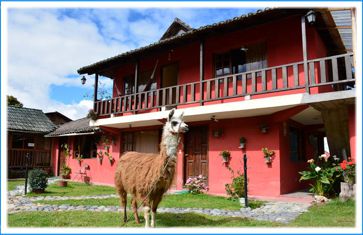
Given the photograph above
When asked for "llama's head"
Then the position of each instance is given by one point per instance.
(175, 123)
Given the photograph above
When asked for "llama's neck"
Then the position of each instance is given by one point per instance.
(169, 144)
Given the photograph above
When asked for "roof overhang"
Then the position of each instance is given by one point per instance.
(240, 109)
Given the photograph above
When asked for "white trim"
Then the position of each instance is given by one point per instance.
(246, 108)
(74, 134)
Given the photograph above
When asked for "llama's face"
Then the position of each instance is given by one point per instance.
(175, 123)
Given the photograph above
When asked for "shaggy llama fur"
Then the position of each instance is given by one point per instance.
(148, 176)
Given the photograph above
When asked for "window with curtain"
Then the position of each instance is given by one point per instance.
(244, 59)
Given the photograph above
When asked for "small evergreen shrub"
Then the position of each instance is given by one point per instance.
(236, 189)
(38, 179)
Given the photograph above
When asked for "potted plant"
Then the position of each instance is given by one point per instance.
(242, 142)
(264, 128)
(347, 187)
(110, 158)
(267, 154)
(92, 115)
(79, 158)
(65, 174)
(226, 155)
(100, 157)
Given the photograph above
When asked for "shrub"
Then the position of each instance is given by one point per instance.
(324, 173)
(196, 185)
(236, 189)
(38, 179)
(348, 169)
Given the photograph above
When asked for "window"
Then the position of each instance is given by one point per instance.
(128, 142)
(241, 60)
(141, 141)
(296, 144)
(145, 83)
(129, 85)
(86, 146)
(22, 141)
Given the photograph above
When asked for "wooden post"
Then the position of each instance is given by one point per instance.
(95, 92)
(305, 53)
(135, 84)
(201, 71)
(354, 34)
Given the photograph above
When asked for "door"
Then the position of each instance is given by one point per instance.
(196, 152)
(62, 153)
(169, 78)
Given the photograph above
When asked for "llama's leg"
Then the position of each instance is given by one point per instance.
(155, 204)
(123, 202)
(147, 216)
(134, 209)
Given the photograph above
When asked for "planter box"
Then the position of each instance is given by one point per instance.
(347, 191)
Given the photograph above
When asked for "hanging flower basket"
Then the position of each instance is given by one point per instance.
(226, 156)
(267, 154)
(268, 160)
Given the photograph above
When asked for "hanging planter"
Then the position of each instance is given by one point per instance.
(267, 154)
(100, 157)
(226, 156)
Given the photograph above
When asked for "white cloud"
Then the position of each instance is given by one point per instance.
(46, 46)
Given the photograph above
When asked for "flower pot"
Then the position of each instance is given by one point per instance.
(111, 161)
(100, 160)
(62, 183)
(346, 191)
(225, 159)
(242, 145)
(87, 179)
(38, 190)
(268, 160)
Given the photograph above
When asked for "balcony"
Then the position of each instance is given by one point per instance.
(334, 73)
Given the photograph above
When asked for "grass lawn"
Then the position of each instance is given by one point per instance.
(75, 189)
(113, 219)
(13, 183)
(179, 201)
(333, 214)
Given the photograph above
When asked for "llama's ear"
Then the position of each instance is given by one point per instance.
(181, 115)
(171, 114)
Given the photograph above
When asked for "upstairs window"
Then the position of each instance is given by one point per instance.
(244, 59)
(145, 83)
(129, 85)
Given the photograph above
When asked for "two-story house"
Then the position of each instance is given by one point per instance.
(281, 78)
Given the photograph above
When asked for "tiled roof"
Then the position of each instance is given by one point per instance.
(73, 127)
(28, 120)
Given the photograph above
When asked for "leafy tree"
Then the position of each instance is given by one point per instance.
(13, 101)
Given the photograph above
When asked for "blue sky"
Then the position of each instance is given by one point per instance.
(47, 46)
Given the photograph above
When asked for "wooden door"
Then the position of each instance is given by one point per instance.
(62, 154)
(169, 78)
(196, 152)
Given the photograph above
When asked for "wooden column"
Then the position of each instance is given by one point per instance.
(136, 84)
(305, 53)
(95, 92)
(201, 70)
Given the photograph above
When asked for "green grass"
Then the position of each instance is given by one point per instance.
(113, 219)
(75, 189)
(332, 214)
(13, 183)
(169, 201)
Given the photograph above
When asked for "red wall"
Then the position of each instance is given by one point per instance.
(283, 39)
(352, 132)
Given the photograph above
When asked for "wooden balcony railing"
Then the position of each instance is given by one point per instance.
(329, 71)
(37, 158)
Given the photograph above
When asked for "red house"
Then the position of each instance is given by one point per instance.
(278, 78)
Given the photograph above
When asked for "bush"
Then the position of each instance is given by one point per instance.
(38, 179)
(324, 174)
(196, 185)
(65, 171)
(236, 189)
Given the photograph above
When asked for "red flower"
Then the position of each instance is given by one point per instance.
(351, 163)
(343, 165)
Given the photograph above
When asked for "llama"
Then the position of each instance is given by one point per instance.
(147, 176)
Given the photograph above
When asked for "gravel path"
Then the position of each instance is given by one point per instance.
(282, 212)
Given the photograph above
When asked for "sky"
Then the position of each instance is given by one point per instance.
(46, 46)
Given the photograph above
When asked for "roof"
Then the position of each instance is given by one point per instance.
(57, 118)
(28, 120)
(176, 28)
(80, 126)
(240, 22)
(343, 21)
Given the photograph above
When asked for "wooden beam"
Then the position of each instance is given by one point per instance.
(354, 35)
(201, 70)
(305, 53)
(95, 92)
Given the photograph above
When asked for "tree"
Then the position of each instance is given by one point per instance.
(13, 101)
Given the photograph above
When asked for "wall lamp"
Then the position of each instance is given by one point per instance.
(311, 17)
(83, 80)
